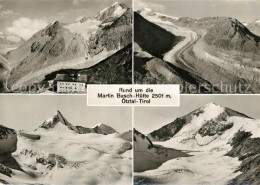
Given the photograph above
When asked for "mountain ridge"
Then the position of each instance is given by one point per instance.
(169, 130)
(59, 118)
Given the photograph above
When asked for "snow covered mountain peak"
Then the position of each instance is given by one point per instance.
(116, 4)
(211, 104)
(212, 107)
(214, 110)
(114, 11)
(100, 125)
(97, 125)
(209, 119)
(57, 121)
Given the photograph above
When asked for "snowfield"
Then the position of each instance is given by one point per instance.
(84, 28)
(202, 168)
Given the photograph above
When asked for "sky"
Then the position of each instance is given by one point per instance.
(243, 10)
(27, 112)
(148, 119)
(26, 17)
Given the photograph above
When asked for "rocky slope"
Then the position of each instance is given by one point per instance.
(77, 45)
(8, 145)
(247, 150)
(8, 140)
(4, 73)
(128, 136)
(7, 43)
(230, 35)
(99, 129)
(116, 69)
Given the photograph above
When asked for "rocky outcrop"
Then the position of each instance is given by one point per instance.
(115, 36)
(212, 127)
(168, 131)
(125, 147)
(247, 149)
(142, 142)
(8, 140)
(51, 161)
(57, 118)
(5, 170)
(99, 129)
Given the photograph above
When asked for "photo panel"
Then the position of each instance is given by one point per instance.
(206, 46)
(207, 140)
(60, 46)
(60, 140)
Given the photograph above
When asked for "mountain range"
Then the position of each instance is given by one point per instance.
(211, 145)
(77, 45)
(57, 152)
(213, 54)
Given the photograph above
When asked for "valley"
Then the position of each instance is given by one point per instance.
(218, 53)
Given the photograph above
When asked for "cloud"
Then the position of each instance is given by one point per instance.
(77, 2)
(140, 4)
(6, 12)
(25, 27)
